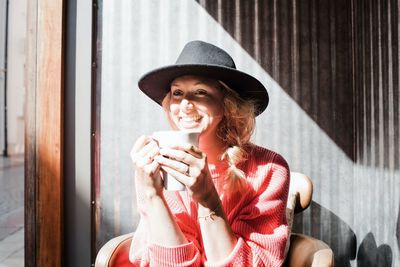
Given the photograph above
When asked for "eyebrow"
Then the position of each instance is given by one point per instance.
(199, 82)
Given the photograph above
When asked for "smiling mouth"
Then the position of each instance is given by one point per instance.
(190, 118)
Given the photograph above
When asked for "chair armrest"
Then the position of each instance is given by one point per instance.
(301, 186)
(115, 252)
(306, 251)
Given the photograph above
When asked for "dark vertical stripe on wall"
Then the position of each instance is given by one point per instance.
(375, 81)
(395, 100)
(331, 62)
(383, 95)
(304, 10)
(376, 70)
(306, 47)
(294, 61)
(266, 34)
(366, 120)
(285, 18)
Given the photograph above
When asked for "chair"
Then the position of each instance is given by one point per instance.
(303, 250)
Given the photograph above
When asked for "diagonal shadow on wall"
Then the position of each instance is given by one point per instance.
(331, 60)
(312, 49)
(369, 254)
(305, 46)
(323, 224)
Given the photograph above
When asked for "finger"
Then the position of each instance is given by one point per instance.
(184, 179)
(140, 142)
(191, 149)
(153, 152)
(179, 155)
(173, 164)
(151, 169)
(142, 160)
(149, 150)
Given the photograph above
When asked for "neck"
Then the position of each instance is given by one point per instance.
(213, 147)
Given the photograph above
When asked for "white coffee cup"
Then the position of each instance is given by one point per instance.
(171, 139)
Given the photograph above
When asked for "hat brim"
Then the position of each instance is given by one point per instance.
(156, 83)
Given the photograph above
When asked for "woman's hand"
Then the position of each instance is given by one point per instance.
(160, 224)
(147, 170)
(188, 165)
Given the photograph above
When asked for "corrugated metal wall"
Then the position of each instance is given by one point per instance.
(331, 68)
(376, 65)
(306, 47)
(376, 54)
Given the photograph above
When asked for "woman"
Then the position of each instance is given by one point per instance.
(233, 210)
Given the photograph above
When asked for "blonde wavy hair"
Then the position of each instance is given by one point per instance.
(235, 129)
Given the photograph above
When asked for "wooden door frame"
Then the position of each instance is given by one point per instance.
(44, 146)
(59, 72)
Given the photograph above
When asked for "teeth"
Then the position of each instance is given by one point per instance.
(189, 119)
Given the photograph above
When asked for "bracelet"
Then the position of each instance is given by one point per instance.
(208, 216)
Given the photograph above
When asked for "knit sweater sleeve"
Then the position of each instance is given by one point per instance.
(258, 218)
(146, 253)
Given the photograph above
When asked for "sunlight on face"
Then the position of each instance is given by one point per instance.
(196, 104)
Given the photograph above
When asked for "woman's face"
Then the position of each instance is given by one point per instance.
(196, 104)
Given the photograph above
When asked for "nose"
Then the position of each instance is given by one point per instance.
(186, 105)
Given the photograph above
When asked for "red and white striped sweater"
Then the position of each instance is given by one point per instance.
(257, 217)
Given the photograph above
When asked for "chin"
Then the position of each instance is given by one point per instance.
(192, 129)
(195, 127)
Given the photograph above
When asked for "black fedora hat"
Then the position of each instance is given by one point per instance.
(204, 59)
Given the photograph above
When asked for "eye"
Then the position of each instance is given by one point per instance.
(201, 92)
(177, 92)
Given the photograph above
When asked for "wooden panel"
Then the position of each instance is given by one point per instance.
(44, 134)
(49, 133)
